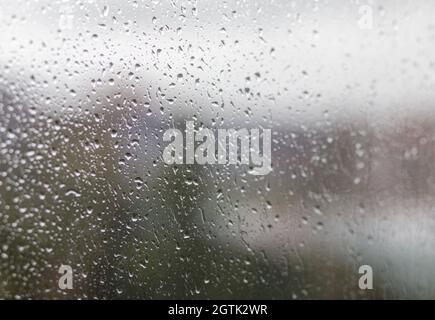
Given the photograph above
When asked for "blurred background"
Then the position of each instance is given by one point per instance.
(88, 87)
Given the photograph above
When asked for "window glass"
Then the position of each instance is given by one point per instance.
(329, 162)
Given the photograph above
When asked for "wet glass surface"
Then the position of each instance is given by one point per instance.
(88, 89)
